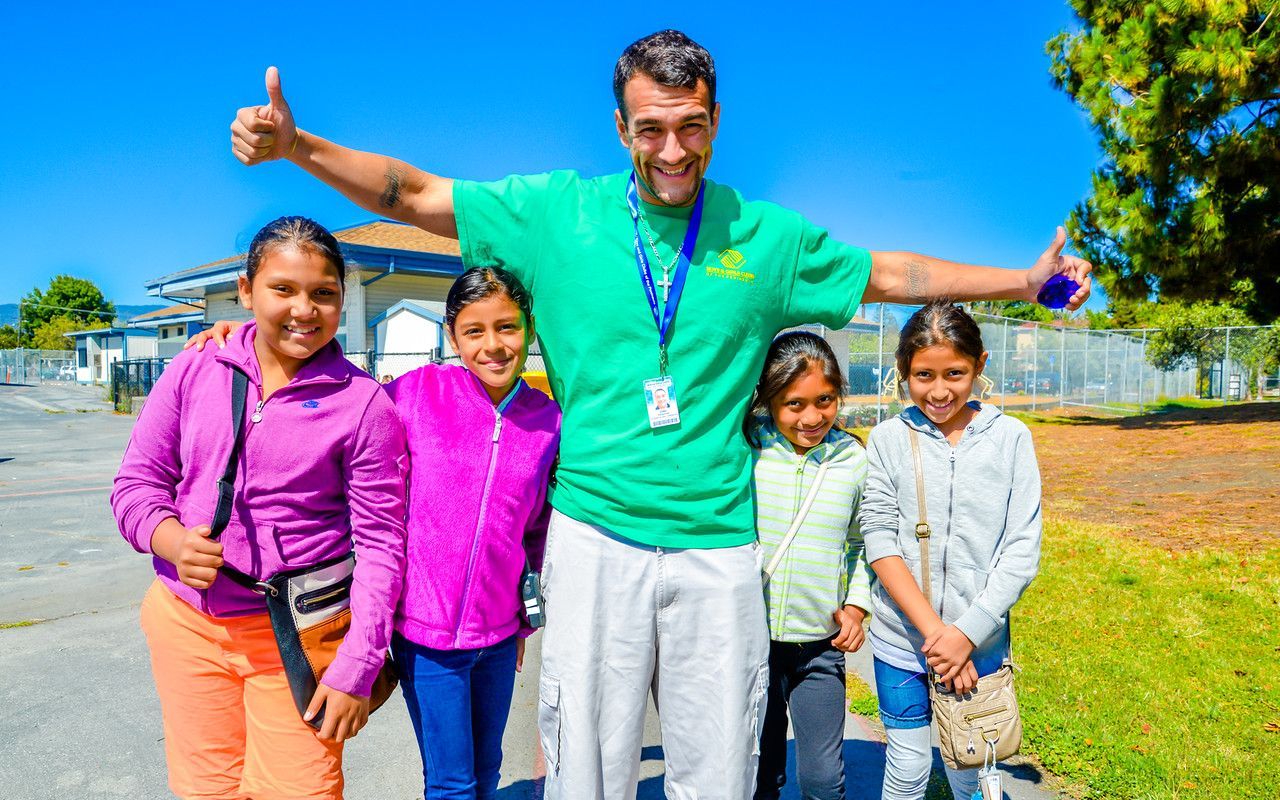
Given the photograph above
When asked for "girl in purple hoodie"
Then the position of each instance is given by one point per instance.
(482, 443)
(321, 471)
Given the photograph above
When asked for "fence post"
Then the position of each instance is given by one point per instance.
(1142, 409)
(1226, 367)
(1124, 375)
(1004, 359)
(880, 376)
(1035, 364)
(1062, 367)
(1084, 387)
(1106, 366)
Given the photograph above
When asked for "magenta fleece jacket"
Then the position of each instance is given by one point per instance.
(324, 470)
(477, 502)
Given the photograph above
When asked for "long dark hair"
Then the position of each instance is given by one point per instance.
(479, 283)
(298, 232)
(938, 322)
(790, 356)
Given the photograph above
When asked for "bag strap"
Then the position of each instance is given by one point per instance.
(923, 532)
(796, 523)
(227, 483)
(922, 527)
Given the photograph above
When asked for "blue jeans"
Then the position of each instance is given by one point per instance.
(906, 714)
(458, 701)
(904, 694)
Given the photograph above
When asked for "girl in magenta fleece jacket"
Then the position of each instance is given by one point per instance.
(322, 470)
(482, 443)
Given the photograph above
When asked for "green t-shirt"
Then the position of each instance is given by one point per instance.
(756, 269)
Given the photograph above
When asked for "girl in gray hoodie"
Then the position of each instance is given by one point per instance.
(982, 488)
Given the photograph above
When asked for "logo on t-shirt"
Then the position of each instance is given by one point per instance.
(731, 264)
(311, 404)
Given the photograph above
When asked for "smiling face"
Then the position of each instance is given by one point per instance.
(296, 300)
(492, 337)
(669, 130)
(805, 411)
(940, 383)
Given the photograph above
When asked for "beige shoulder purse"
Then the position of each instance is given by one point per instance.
(983, 726)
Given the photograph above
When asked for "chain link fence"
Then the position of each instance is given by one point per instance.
(37, 366)
(134, 378)
(393, 365)
(1031, 366)
(1037, 366)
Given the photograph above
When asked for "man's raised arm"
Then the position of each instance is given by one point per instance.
(910, 278)
(386, 186)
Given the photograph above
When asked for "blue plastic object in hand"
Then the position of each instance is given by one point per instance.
(1057, 291)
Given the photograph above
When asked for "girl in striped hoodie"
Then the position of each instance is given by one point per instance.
(808, 481)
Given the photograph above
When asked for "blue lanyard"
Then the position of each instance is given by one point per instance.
(663, 322)
(511, 395)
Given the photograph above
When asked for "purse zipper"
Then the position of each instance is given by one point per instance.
(969, 718)
(307, 603)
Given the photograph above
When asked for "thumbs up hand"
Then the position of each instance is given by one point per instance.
(265, 133)
(1051, 262)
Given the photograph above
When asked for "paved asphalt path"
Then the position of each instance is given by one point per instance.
(78, 713)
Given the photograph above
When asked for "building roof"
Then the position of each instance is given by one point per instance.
(161, 314)
(397, 236)
(381, 246)
(415, 307)
(112, 331)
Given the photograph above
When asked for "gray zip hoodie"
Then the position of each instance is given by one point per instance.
(983, 498)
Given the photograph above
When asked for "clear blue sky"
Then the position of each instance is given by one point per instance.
(921, 126)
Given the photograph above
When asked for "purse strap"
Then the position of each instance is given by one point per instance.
(796, 523)
(226, 485)
(923, 532)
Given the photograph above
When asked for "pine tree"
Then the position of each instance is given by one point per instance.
(1185, 96)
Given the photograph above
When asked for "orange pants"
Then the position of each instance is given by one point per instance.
(230, 726)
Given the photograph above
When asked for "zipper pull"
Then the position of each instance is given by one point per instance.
(257, 412)
(497, 427)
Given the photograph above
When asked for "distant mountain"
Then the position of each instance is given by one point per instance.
(9, 312)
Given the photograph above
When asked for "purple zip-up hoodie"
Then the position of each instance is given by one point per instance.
(323, 471)
(477, 504)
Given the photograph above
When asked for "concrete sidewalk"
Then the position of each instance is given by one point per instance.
(78, 712)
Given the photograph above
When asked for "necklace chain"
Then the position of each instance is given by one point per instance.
(666, 268)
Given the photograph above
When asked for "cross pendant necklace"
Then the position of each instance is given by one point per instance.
(665, 283)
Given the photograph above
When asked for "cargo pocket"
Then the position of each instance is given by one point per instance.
(549, 723)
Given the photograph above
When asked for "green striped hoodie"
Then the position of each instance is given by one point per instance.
(825, 566)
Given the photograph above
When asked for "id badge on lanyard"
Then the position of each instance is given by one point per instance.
(660, 392)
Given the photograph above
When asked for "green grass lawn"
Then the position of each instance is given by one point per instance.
(1151, 674)
(1148, 673)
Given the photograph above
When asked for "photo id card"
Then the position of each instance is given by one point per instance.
(660, 399)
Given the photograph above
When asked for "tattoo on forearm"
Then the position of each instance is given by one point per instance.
(917, 280)
(390, 196)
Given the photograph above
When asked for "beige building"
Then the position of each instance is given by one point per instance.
(391, 268)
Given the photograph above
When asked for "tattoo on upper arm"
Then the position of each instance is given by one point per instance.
(390, 197)
(917, 280)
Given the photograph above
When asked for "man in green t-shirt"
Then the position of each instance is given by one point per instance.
(651, 573)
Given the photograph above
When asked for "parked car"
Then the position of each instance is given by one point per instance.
(67, 372)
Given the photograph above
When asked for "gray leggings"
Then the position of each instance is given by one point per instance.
(808, 678)
(909, 762)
